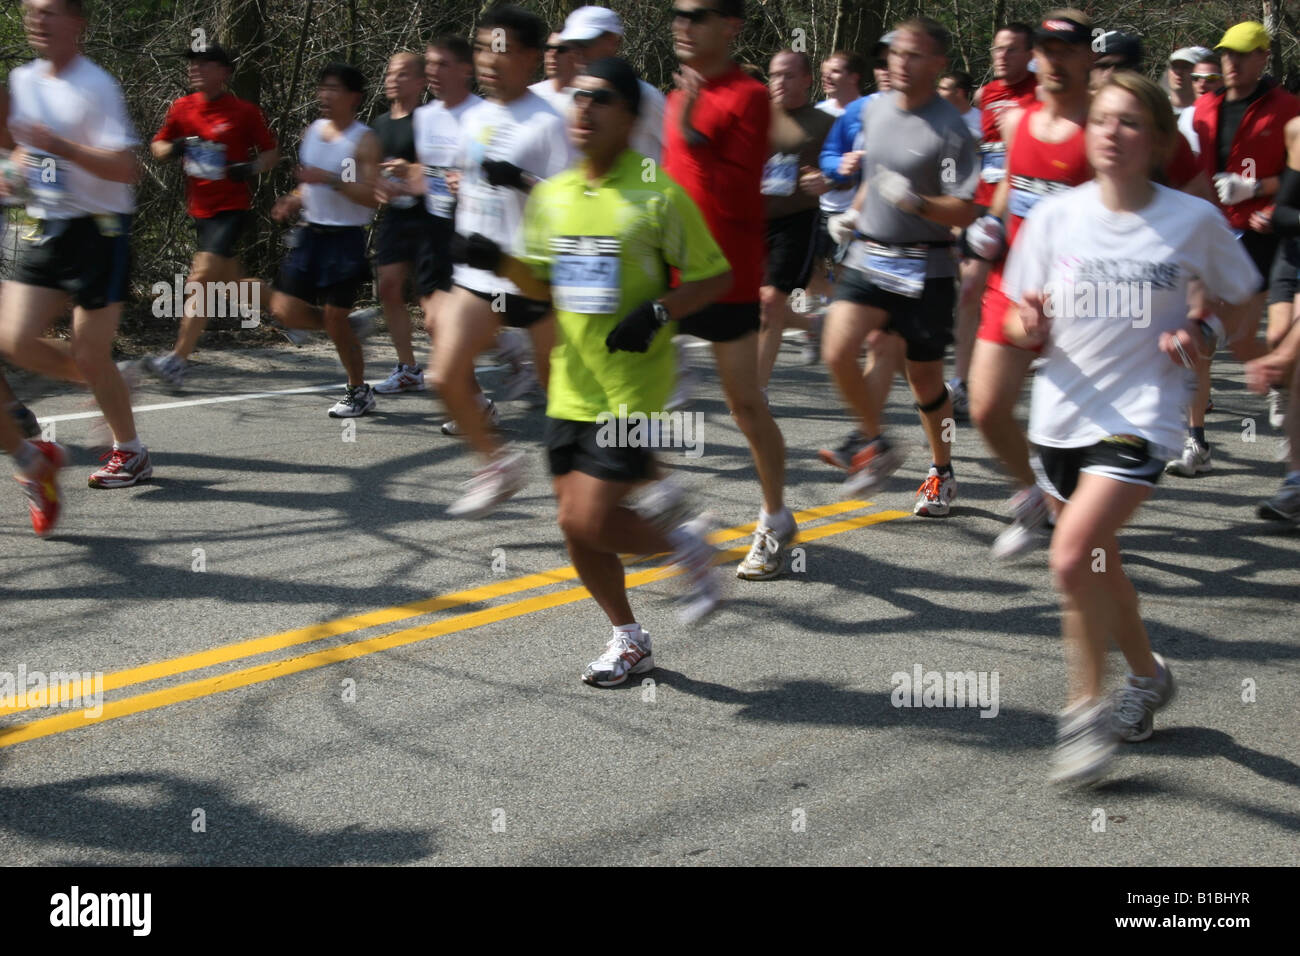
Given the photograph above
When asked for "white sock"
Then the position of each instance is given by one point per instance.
(783, 519)
(132, 445)
(632, 630)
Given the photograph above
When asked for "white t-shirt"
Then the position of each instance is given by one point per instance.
(1116, 281)
(835, 200)
(436, 129)
(559, 99)
(82, 104)
(648, 133)
(322, 205)
(525, 132)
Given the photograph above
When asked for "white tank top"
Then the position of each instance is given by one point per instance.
(322, 205)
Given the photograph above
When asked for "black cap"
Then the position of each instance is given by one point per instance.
(1123, 45)
(621, 75)
(212, 53)
(1065, 29)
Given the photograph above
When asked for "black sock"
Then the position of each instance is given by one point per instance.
(1197, 433)
(945, 471)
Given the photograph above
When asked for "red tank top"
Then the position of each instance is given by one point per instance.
(996, 97)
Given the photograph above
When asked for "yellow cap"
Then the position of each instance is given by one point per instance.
(1245, 37)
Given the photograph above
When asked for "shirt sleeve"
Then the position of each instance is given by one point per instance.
(114, 126)
(962, 158)
(1224, 267)
(685, 240)
(1029, 264)
(171, 125)
(838, 142)
(555, 150)
(651, 124)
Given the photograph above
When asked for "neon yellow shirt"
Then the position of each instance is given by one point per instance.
(605, 247)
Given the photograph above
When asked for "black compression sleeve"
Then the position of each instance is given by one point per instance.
(1286, 204)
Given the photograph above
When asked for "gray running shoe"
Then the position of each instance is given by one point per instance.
(1135, 705)
(1195, 460)
(1085, 743)
(1283, 506)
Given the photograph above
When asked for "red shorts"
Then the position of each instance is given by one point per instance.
(993, 316)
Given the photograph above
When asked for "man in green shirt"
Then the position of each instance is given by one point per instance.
(600, 238)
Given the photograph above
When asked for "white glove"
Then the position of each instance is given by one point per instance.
(1234, 188)
(842, 226)
(895, 189)
(987, 238)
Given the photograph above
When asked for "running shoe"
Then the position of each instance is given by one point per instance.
(934, 497)
(766, 555)
(356, 401)
(296, 337)
(1276, 407)
(169, 369)
(404, 378)
(1195, 460)
(1134, 706)
(491, 486)
(1029, 518)
(40, 485)
(1283, 506)
(688, 379)
(491, 414)
(124, 468)
(841, 456)
(521, 382)
(625, 655)
(664, 504)
(871, 467)
(26, 420)
(960, 400)
(363, 321)
(1086, 740)
(693, 553)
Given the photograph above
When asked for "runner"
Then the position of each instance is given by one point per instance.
(792, 184)
(78, 150)
(1206, 77)
(597, 33)
(1108, 396)
(1244, 155)
(507, 144)
(321, 276)
(38, 464)
(1013, 86)
(403, 228)
(1046, 156)
(601, 239)
(922, 171)
(958, 88)
(222, 143)
(561, 66)
(716, 127)
(1183, 89)
(1279, 366)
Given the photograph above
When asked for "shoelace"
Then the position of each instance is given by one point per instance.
(616, 647)
(765, 545)
(930, 488)
(1130, 704)
(117, 457)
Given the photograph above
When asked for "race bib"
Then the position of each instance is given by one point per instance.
(585, 272)
(900, 269)
(486, 209)
(47, 180)
(206, 160)
(993, 162)
(402, 201)
(780, 175)
(440, 200)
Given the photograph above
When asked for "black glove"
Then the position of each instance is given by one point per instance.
(241, 172)
(477, 251)
(181, 144)
(637, 330)
(501, 173)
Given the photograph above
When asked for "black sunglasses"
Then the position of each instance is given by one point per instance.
(600, 97)
(698, 15)
(558, 48)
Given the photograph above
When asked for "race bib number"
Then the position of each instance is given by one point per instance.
(780, 175)
(897, 269)
(47, 180)
(440, 200)
(585, 272)
(993, 162)
(206, 160)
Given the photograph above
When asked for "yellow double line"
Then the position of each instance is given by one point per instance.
(259, 673)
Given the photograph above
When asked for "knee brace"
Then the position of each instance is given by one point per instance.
(931, 406)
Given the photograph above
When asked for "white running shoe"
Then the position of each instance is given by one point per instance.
(687, 381)
(766, 556)
(1029, 514)
(356, 401)
(664, 503)
(871, 467)
(491, 414)
(491, 486)
(1195, 460)
(1086, 741)
(625, 655)
(169, 369)
(934, 497)
(1276, 407)
(694, 555)
(404, 378)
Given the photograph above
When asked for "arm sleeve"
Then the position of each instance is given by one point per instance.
(959, 154)
(170, 128)
(114, 127)
(1286, 204)
(838, 142)
(556, 152)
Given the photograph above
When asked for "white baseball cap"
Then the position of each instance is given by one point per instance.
(587, 23)
(1192, 55)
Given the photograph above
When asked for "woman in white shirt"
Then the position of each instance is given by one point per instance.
(1101, 276)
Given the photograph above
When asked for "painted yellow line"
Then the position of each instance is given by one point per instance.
(45, 727)
(71, 690)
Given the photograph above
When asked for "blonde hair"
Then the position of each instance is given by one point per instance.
(1155, 102)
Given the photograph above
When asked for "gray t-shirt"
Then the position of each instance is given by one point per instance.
(933, 148)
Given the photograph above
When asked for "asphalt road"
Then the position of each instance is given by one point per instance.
(281, 687)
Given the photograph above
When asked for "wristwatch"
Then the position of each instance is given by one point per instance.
(661, 313)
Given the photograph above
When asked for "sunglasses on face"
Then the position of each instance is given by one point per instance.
(698, 15)
(559, 48)
(600, 97)
(1207, 76)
